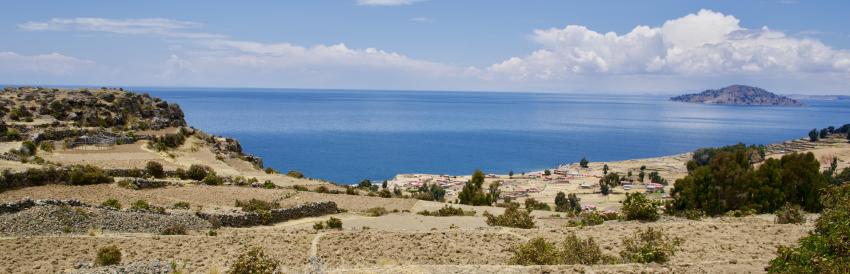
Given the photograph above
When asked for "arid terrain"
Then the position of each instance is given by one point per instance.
(62, 236)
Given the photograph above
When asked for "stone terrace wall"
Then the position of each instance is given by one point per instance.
(276, 215)
(27, 203)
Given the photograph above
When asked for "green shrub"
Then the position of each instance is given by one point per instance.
(142, 205)
(154, 169)
(213, 180)
(197, 172)
(587, 219)
(351, 191)
(533, 204)
(638, 207)
(108, 255)
(448, 210)
(319, 226)
(334, 223)
(300, 188)
(269, 185)
(376, 211)
(166, 142)
(790, 214)
(322, 189)
(255, 205)
(270, 170)
(46, 146)
(113, 203)
(513, 217)
(295, 174)
(181, 205)
(826, 249)
(573, 250)
(255, 261)
(87, 175)
(650, 246)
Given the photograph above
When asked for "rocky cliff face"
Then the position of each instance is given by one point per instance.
(737, 95)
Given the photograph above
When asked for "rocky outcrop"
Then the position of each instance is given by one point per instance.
(246, 219)
(737, 95)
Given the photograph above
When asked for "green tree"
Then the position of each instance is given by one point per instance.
(511, 173)
(574, 201)
(605, 169)
(813, 135)
(154, 169)
(366, 183)
(493, 192)
(642, 173)
(583, 163)
(472, 192)
(384, 184)
(547, 172)
(561, 202)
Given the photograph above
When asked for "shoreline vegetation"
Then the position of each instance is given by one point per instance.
(124, 174)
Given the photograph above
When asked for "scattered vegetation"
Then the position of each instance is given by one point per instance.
(513, 217)
(334, 223)
(295, 174)
(447, 210)
(174, 229)
(254, 261)
(430, 192)
(167, 142)
(573, 250)
(108, 255)
(181, 205)
(827, 248)
(650, 246)
(112, 203)
(533, 204)
(473, 193)
(255, 205)
(377, 211)
(142, 205)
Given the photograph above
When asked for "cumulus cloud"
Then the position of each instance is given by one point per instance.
(146, 26)
(386, 2)
(702, 43)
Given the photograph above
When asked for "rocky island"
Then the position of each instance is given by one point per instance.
(737, 95)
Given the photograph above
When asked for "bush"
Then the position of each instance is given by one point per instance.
(351, 191)
(638, 207)
(533, 204)
(583, 163)
(319, 226)
(587, 219)
(573, 250)
(300, 188)
(448, 211)
(334, 223)
(181, 205)
(322, 189)
(142, 205)
(790, 214)
(197, 172)
(269, 185)
(174, 229)
(270, 170)
(87, 175)
(213, 180)
(295, 174)
(154, 169)
(826, 249)
(513, 217)
(166, 142)
(377, 211)
(649, 246)
(112, 203)
(255, 205)
(255, 261)
(108, 255)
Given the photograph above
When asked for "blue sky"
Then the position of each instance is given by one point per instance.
(567, 46)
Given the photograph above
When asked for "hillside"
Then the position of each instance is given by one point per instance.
(737, 95)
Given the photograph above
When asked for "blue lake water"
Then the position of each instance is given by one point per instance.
(346, 136)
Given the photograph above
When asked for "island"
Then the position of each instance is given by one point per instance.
(737, 95)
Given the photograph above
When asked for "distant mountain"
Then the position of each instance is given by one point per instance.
(737, 95)
(819, 97)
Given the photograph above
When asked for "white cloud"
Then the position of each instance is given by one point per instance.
(700, 44)
(386, 2)
(54, 64)
(146, 26)
(420, 19)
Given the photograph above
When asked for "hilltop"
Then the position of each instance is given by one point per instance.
(737, 95)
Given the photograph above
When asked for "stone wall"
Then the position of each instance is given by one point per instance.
(27, 203)
(246, 219)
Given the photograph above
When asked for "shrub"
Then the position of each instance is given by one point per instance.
(46, 146)
(255, 205)
(255, 261)
(587, 219)
(197, 172)
(154, 169)
(334, 223)
(213, 180)
(448, 211)
(351, 191)
(649, 246)
(319, 226)
(573, 250)
(269, 185)
(174, 229)
(533, 204)
(270, 170)
(166, 142)
(295, 174)
(826, 249)
(300, 188)
(108, 255)
(113, 203)
(790, 214)
(638, 207)
(376, 211)
(513, 217)
(87, 174)
(583, 163)
(142, 205)
(181, 205)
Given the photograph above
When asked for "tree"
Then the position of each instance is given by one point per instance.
(366, 183)
(575, 204)
(848, 136)
(823, 133)
(384, 184)
(547, 173)
(813, 135)
(511, 174)
(655, 177)
(605, 169)
(611, 179)
(604, 188)
(561, 202)
(472, 192)
(583, 163)
(642, 173)
(493, 192)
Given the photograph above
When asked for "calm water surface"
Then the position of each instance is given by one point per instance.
(346, 136)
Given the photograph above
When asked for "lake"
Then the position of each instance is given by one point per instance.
(348, 135)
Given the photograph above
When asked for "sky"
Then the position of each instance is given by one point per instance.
(785, 46)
